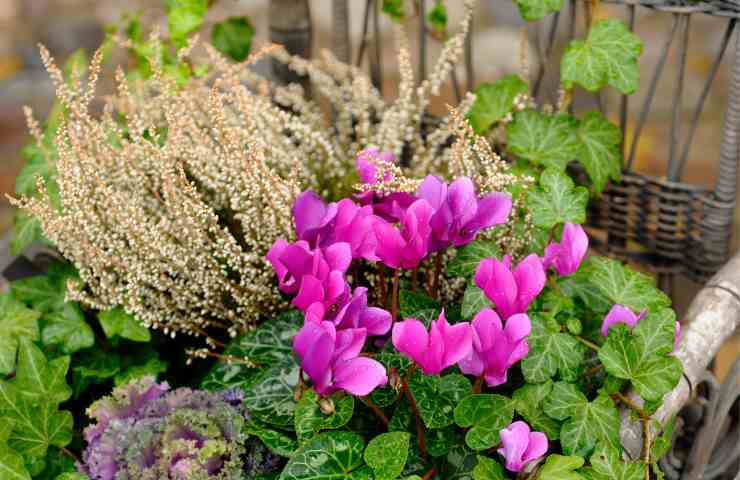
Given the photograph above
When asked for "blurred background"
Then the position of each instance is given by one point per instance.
(66, 25)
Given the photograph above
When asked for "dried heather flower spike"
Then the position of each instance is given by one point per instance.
(521, 445)
(566, 256)
(511, 291)
(443, 346)
(496, 347)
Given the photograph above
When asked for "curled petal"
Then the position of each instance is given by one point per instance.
(411, 338)
(359, 376)
(619, 314)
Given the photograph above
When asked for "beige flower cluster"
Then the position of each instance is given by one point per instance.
(171, 197)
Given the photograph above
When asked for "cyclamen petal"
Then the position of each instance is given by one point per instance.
(511, 292)
(406, 247)
(520, 445)
(567, 255)
(623, 314)
(312, 216)
(359, 376)
(442, 347)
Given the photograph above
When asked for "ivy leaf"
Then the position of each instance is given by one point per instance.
(11, 465)
(608, 56)
(606, 465)
(469, 257)
(152, 367)
(39, 379)
(270, 396)
(487, 415)
(94, 366)
(233, 37)
(68, 329)
(410, 303)
(436, 410)
(529, 401)
(556, 201)
(488, 469)
(27, 230)
(474, 300)
(330, 455)
(116, 322)
(37, 166)
(437, 17)
(641, 355)
(16, 322)
(533, 10)
(72, 476)
(551, 352)
(548, 140)
(622, 285)
(394, 9)
(277, 442)
(387, 453)
(309, 419)
(600, 151)
(579, 285)
(184, 17)
(588, 423)
(493, 101)
(559, 467)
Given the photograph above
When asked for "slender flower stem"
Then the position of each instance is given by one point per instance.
(394, 297)
(593, 370)
(414, 279)
(588, 343)
(629, 403)
(415, 409)
(645, 419)
(383, 418)
(430, 473)
(437, 274)
(383, 283)
(478, 384)
(69, 454)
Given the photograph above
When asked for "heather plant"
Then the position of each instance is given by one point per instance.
(387, 297)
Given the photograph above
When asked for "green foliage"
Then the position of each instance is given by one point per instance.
(411, 303)
(543, 139)
(394, 9)
(436, 397)
(529, 401)
(309, 419)
(184, 17)
(437, 17)
(551, 351)
(486, 415)
(533, 10)
(386, 454)
(233, 37)
(608, 56)
(68, 329)
(270, 396)
(16, 322)
(27, 231)
(468, 257)
(559, 467)
(330, 455)
(494, 101)
(488, 469)
(116, 322)
(642, 355)
(586, 423)
(557, 201)
(600, 149)
(474, 300)
(606, 465)
(276, 441)
(621, 285)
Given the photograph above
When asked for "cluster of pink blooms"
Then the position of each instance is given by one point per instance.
(400, 230)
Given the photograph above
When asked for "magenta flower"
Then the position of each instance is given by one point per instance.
(294, 261)
(458, 214)
(356, 314)
(443, 346)
(314, 218)
(354, 225)
(622, 314)
(566, 256)
(331, 359)
(406, 247)
(520, 445)
(495, 347)
(511, 292)
(389, 206)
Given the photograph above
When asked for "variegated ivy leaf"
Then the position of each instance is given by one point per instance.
(410, 303)
(68, 329)
(608, 56)
(486, 415)
(551, 352)
(533, 10)
(557, 201)
(599, 151)
(474, 300)
(586, 423)
(468, 258)
(642, 355)
(11, 465)
(330, 455)
(548, 140)
(528, 402)
(622, 285)
(488, 469)
(559, 467)
(607, 465)
(116, 322)
(493, 101)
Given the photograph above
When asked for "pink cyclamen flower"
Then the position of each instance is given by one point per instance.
(443, 346)
(331, 359)
(511, 292)
(313, 218)
(294, 261)
(566, 256)
(496, 347)
(356, 314)
(406, 247)
(622, 314)
(354, 225)
(458, 213)
(520, 445)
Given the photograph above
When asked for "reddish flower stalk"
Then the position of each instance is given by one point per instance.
(394, 296)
